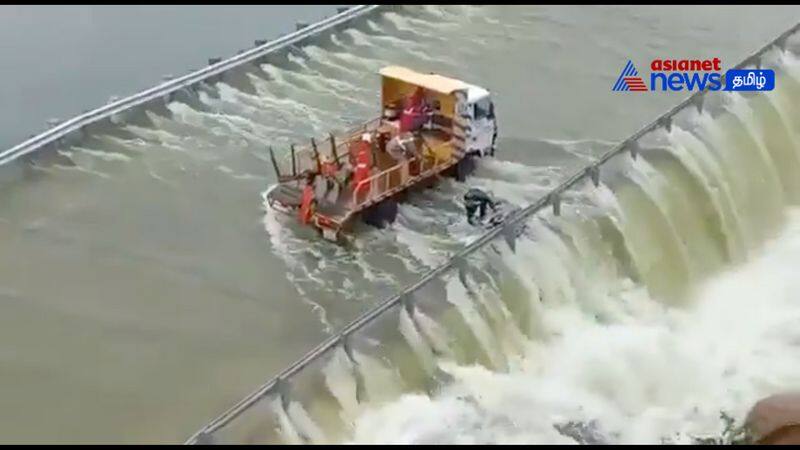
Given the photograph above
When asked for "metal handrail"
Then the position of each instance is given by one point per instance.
(80, 121)
(348, 137)
(403, 167)
(507, 230)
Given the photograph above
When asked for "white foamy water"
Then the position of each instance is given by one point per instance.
(639, 315)
(647, 376)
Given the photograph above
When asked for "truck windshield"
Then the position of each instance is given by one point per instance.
(484, 109)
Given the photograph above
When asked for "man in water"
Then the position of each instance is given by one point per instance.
(476, 200)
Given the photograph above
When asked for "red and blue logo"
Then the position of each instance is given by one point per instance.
(629, 80)
(689, 75)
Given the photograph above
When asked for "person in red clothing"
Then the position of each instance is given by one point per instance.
(414, 113)
(362, 169)
(307, 202)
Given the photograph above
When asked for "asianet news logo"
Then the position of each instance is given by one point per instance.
(694, 74)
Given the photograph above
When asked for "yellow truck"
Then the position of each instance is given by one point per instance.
(429, 125)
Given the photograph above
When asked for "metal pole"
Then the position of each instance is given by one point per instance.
(274, 163)
(333, 151)
(316, 155)
(294, 162)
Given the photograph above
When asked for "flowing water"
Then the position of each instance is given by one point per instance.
(145, 289)
(655, 302)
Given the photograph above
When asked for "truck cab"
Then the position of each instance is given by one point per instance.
(477, 109)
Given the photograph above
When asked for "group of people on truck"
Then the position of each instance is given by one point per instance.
(333, 176)
(414, 113)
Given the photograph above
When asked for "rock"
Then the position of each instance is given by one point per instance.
(582, 433)
(776, 419)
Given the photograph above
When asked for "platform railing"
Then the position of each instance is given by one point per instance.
(305, 158)
(507, 231)
(380, 185)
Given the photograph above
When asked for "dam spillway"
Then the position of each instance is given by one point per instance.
(673, 215)
(165, 278)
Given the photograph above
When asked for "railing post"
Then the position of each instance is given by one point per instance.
(408, 303)
(316, 155)
(510, 236)
(348, 350)
(698, 102)
(204, 438)
(594, 174)
(461, 268)
(781, 41)
(282, 388)
(666, 122)
(633, 147)
(333, 150)
(344, 340)
(294, 162)
(555, 200)
(274, 163)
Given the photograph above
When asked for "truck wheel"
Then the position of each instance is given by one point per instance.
(381, 214)
(465, 167)
(389, 210)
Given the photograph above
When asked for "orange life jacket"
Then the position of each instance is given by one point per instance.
(307, 205)
(362, 168)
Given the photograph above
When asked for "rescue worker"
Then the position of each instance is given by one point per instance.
(416, 112)
(307, 201)
(362, 169)
(401, 147)
(330, 171)
(476, 200)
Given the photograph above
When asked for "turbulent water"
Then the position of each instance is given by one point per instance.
(144, 284)
(655, 302)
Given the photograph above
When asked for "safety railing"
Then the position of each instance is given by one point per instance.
(79, 122)
(508, 232)
(381, 186)
(301, 158)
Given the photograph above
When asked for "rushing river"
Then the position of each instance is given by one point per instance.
(144, 288)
